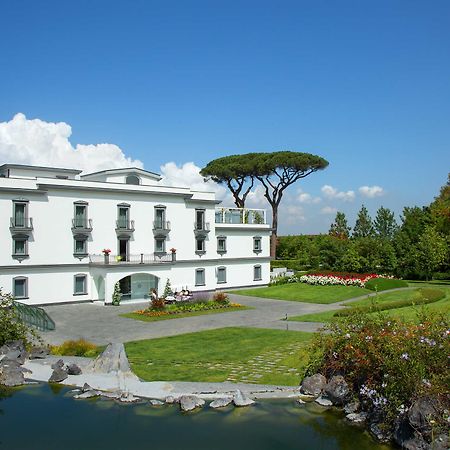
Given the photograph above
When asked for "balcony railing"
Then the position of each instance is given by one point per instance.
(241, 216)
(81, 225)
(161, 227)
(125, 225)
(141, 258)
(201, 227)
(21, 223)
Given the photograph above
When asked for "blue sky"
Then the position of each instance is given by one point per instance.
(364, 84)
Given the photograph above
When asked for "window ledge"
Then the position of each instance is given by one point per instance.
(221, 252)
(221, 282)
(21, 298)
(20, 258)
(201, 284)
(80, 255)
(80, 293)
(257, 251)
(200, 252)
(257, 279)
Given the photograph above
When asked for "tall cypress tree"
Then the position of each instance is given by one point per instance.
(339, 228)
(384, 224)
(363, 225)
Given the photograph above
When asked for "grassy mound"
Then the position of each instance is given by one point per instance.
(383, 284)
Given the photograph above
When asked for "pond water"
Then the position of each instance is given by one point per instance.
(43, 417)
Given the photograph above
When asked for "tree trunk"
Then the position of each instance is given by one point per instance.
(273, 237)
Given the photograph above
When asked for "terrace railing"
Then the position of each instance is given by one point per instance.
(141, 258)
(34, 316)
(241, 216)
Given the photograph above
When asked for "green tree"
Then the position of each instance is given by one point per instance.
(339, 228)
(352, 261)
(432, 251)
(331, 250)
(363, 225)
(167, 289)
(279, 170)
(384, 224)
(235, 172)
(116, 296)
(440, 210)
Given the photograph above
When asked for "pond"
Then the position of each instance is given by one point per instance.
(44, 417)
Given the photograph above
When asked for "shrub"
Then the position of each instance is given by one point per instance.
(387, 363)
(290, 264)
(426, 295)
(11, 326)
(382, 284)
(221, 297)
(157, 303)
(441, 276)
(79, 347)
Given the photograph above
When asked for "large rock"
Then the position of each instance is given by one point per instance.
(155, 402)
(239, 399)
(357, 417)
(221, 402)
(11, 373)
(313, 385)
(58, 375)
(39, 352)
(73, 369)
(58, 364)
(14, 351)
(87, 394)
(337, 390)
(323, 401)
(190, 402)
(421, 412)
(170, 399)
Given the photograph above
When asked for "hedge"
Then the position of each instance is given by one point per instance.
(382, 284)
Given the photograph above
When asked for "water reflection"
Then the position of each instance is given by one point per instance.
(55, 420)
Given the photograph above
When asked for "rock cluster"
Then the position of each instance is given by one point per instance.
(413, 428)
(61, 371)
(12, 356)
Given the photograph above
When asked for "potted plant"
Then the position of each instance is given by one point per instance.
(174, 253)
(106, 252)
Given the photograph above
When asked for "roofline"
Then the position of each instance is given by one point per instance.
(121, 169)
(27, 166)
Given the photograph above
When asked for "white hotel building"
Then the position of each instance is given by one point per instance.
(55, 224)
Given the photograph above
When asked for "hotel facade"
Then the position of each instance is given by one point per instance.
(67, 237)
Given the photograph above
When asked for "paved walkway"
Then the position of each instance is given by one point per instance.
(102, 324)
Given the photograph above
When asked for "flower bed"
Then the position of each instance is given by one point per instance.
(186, 308)
(338, 278)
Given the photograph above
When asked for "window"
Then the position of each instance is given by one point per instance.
(20, 214)
(80, 246)
(257, 273)
(20, 287)
(199, 245)
(160, 245)
(200, 277)
(20, 245)
(133, 179)
(79, 284)
(221, 244)
(199, 219)
(160, 217)
(257, 248)
(80, 219)
(123, 216)
(221, 275)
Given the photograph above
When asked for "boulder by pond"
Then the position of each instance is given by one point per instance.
(239, 399)
(313, 385)
(14, 351)
(190, 402)
(322, 401)
(337, 390)
(11, 373)
(73, 369)
(220, 402)
(59, 374)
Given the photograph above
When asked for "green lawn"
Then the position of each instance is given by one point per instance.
(144, 318)
(302, 292)
(249, 355)
(407, 312)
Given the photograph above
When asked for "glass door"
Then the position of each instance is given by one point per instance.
(19, 214)
(122, 221)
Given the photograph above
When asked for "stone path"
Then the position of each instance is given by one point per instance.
(102, 324)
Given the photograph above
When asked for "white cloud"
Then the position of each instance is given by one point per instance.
(40, 143)
(290, 214)
(332, 193)
(328, 210)
(304, 197)
(371, 191)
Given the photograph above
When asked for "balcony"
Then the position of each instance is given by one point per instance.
(21, 224)
(161, 228)
(201, 228)
(241, 216)
(124, 226)
(141, 258)
(81, 226)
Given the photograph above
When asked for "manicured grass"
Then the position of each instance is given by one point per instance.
(302, 292)
(234, 354)
(407, 312)
(383, 284)
(144, 318)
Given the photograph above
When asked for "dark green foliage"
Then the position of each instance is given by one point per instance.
(384, 224)
(363, 225)
(383, 284)
(339, 228)
(440, 210)
(11, 326)
(290, 264)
